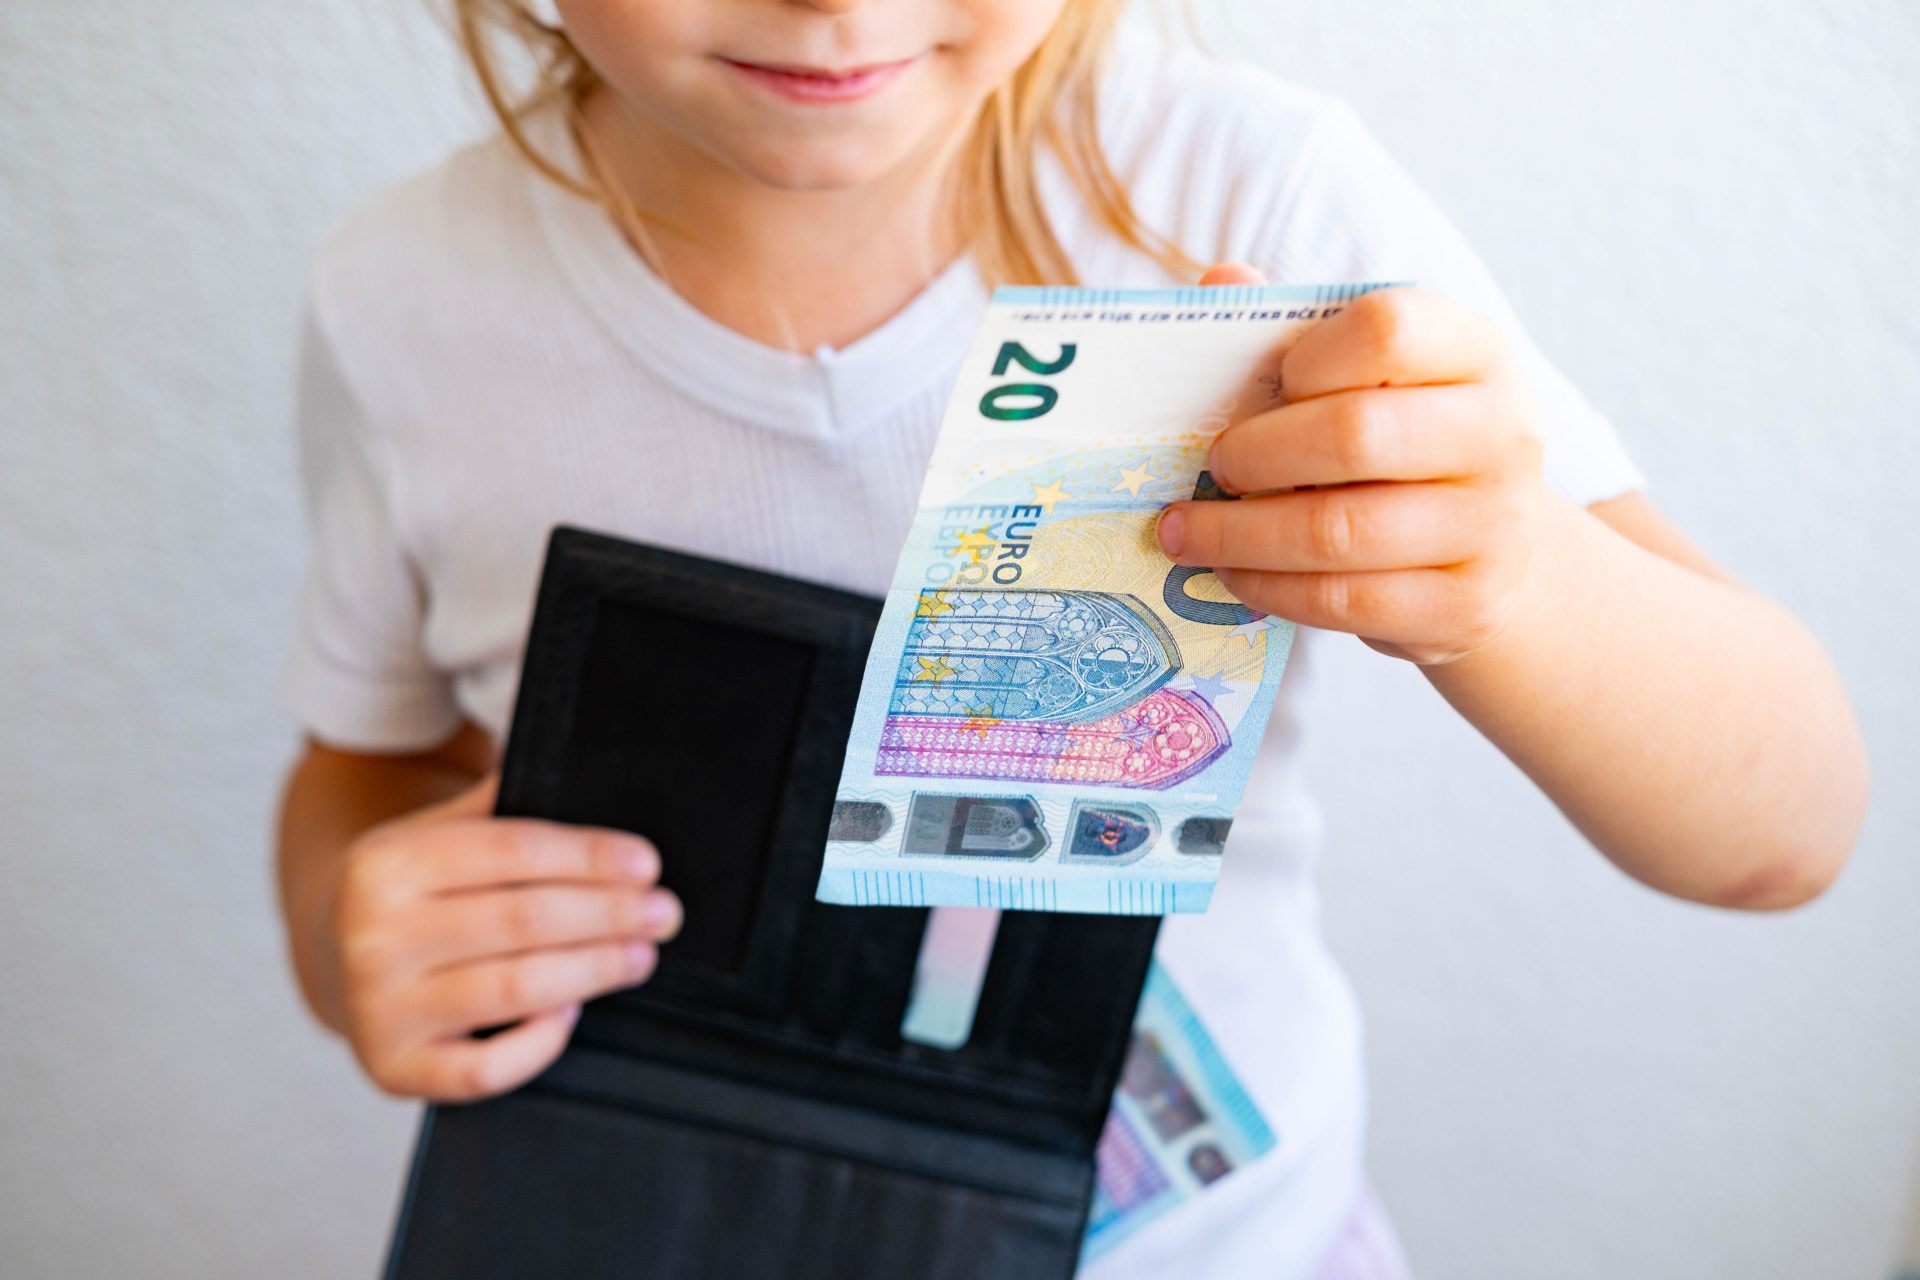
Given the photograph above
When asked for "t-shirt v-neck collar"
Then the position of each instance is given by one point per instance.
(828, 394)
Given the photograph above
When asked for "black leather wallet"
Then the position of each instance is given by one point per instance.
(752, 1109)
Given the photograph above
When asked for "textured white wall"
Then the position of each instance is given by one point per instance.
(1705, 213)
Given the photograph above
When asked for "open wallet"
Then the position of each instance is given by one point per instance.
(752, 1110)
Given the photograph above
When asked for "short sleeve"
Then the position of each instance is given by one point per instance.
(1348, 212)
(357, 676)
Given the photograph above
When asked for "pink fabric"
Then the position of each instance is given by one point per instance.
(1368, 1248)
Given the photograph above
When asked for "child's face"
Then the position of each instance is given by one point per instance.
(672, 62)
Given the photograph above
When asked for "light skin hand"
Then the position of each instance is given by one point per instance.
(447, 920)
(1693, 730)
(1408, 405)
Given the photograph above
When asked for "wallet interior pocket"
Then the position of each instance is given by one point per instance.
(674, 1175)
(694, 703)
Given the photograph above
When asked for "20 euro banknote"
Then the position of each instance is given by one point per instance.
(1054, 716)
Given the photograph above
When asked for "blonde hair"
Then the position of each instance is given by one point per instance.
(1051, 97)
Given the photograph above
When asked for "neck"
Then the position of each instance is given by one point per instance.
(705, 222)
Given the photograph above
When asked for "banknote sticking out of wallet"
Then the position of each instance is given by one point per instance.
(753, 1109)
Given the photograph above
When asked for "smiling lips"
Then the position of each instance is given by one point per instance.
(805, 84)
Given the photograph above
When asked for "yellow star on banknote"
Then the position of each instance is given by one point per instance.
(1045, 498)
(975, 544)
(1132, 480)
(934, 669)
(932, 604)
(979, 720)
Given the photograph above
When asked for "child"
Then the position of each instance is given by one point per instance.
(709, 289)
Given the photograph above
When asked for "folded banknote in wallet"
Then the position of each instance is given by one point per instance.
(1054, 716)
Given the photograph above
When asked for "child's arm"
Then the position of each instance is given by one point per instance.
(1693, 730)
(414, 918)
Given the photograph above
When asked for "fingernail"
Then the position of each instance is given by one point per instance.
(643, 863)
(640, 956)
(662, 911)
(1213, 467)
(1172, 530)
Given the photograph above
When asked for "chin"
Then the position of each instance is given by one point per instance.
(818, 167)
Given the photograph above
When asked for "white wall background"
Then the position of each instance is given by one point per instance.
(1575, 1078)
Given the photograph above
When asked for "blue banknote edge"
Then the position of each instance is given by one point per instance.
(1091, 895)
(1220, 1081)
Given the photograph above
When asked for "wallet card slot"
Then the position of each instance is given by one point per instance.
(1060, 996)
(704, 706)
(904, 1084)
(989, 1164)
(853, 973)
(556, 1183)
(698, 734)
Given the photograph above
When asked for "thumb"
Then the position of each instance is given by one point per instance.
(1232, 273)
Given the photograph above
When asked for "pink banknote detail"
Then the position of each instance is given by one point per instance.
(1158, 742)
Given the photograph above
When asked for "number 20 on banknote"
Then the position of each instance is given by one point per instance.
(1054, 716)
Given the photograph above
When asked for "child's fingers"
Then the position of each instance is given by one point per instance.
(1391, 605)
(1351, 528)
(499, 851)
(487, 993)
(1232, 273)
(500, 922)
(1392, 337)
(1397, 433)
(463, 1069)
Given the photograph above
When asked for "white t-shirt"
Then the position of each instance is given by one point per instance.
(484, 357)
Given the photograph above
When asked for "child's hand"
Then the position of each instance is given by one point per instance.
(448, 920)
(1411, 405)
